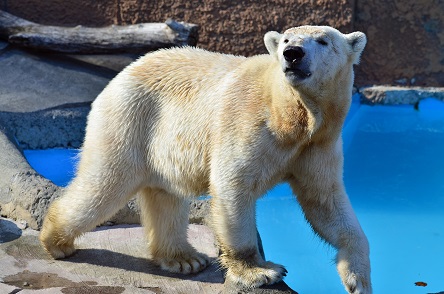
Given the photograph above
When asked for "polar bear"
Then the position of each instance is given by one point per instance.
(183, 122)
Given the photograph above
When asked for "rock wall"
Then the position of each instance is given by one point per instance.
(406, 42)
(406, 37)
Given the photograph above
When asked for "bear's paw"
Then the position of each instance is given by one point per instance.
(253, 277)
(59, 251)
(184, 264)
(356, 284)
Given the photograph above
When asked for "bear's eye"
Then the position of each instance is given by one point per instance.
(322, 42)
(286, 41)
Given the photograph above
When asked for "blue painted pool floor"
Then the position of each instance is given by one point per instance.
(58, 165)
(394, 175)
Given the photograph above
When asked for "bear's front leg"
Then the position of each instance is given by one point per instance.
(334, 220)
(235, 226)
(320, 191)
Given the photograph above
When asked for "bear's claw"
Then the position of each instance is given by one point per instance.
(184, 265)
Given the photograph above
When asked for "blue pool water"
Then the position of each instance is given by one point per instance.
(58, 165)
(394, 175)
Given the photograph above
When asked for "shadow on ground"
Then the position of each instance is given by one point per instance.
(111, 259)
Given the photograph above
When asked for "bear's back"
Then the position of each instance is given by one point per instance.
(182, 73)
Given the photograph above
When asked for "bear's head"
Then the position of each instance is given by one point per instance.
(315, 55)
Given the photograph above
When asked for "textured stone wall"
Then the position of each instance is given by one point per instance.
(406, 37)
(406, 42)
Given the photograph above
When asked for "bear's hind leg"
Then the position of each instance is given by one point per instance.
(165, 218)
(87, 202)
(57, 244)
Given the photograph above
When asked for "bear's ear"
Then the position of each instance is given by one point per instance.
(357, 41)
(271, 40)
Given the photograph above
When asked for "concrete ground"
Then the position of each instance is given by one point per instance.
(109, 260)
(112, 259)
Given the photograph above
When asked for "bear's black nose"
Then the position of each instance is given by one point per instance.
(293, 53)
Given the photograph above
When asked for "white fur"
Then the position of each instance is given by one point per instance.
(179, 123)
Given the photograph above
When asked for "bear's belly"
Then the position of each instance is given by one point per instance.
(179, 165)
(191, 183)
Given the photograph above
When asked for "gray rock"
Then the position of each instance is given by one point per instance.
(24, 194)
(4, 288)
(390, 95)
(31, 196)
(129, 214)
(35, 82)
(61, 127)
(3, 45)
(112, 62)
(199, 211)
(9, 231)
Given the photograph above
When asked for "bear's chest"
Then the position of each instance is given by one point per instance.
(291, 124)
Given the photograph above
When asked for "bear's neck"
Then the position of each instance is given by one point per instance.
(334, 104)
(298, 117)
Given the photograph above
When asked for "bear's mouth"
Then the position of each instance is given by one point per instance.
(297, 72)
